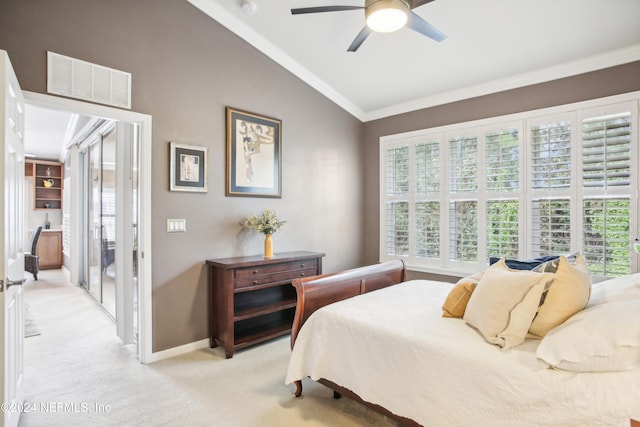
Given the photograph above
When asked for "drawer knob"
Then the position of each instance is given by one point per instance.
(301, 274)
(255, 282)
(302, 265)
(255, 271)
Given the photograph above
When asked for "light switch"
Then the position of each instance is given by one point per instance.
(176, 225)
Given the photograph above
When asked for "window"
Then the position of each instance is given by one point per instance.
(553, 181)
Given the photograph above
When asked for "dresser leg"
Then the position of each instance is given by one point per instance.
(212, 342)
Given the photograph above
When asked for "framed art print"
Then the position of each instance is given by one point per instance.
(187, 167)
(254, 158)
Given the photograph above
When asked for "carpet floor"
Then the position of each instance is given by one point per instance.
(30, 327)
(78, 373)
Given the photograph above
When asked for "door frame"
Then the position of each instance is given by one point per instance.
(145, 324)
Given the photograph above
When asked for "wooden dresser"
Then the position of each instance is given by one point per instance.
(251, 299)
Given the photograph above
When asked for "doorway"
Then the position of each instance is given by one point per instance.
(107, 205)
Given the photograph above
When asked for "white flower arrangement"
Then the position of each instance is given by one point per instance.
(266, 223)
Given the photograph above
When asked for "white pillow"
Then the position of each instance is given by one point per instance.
(568, 294)
(618, 289)
(603, 337)
(504, 303)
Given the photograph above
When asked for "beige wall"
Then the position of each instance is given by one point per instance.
(186, 69)
(611, 81)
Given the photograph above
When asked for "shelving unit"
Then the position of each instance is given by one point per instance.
(251, 299)
(46, 198)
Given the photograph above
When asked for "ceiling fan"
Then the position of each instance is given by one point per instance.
(383, 16)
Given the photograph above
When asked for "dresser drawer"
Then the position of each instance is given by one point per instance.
(260, 270)
(266, 279)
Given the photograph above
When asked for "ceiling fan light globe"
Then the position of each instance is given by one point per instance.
(386, 16)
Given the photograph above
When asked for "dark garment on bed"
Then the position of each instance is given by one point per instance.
(529, 264)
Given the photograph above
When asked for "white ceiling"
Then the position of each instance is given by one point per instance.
(492, 45)
(46, 132)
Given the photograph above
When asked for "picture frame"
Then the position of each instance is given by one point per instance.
(188, 167)
(254, 155)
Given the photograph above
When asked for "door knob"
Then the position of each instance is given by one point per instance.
(11, 283)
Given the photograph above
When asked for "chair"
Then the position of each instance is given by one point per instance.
(31, 259)
(108, 250)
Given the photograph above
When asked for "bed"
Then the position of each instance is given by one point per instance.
(369, 334)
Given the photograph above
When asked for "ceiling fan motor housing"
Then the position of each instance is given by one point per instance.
(386, 16)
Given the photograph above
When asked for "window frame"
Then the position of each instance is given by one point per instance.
(523, 123)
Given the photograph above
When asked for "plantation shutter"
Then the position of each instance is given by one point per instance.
(463, 182)
(502, 160)
(463, 164)
(551, 234)
(606, 146)
(397, 171)
(428, 230)
(397, 211)
(502, 228)
(427, 205)
(398, 228)
(463, 232)
(606, 180)
(502, 185)
(428, 168)
(606, 235)
(551, 155)
(551, 181)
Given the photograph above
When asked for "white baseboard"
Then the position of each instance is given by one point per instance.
(177, 351)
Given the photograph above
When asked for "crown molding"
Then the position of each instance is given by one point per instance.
(585, 65)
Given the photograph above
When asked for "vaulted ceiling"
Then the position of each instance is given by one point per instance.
(491, 45)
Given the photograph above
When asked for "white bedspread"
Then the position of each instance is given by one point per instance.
(393, 347)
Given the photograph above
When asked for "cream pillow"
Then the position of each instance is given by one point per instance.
(568, 294)
(456, 302)
(504, 303)
(618, 289)
(603, 337)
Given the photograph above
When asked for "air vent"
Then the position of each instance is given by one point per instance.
(74, 78)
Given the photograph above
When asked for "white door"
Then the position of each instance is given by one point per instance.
(11, 243)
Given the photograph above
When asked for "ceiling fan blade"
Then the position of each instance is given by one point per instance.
(416, 23)
(418, 3)
(360, 38)
(323, 9)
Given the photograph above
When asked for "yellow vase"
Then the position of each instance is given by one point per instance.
(268, 246)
